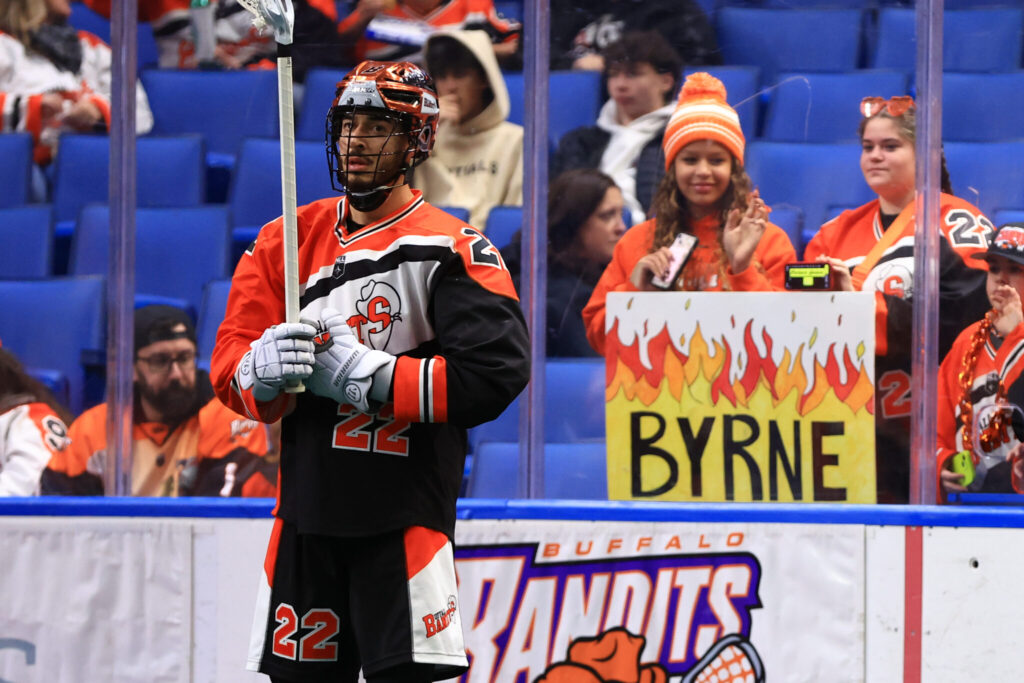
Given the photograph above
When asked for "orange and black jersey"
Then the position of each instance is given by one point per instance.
(962, 300)
(420, 285)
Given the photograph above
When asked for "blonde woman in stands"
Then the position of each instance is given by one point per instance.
(705, 193)
(54, 79)
(871, 248)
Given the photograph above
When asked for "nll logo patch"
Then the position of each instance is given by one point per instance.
(339, 267)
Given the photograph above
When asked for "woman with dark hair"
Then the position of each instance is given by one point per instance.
(871, 249)
(584, 225)
(707, 195)
(33, 428)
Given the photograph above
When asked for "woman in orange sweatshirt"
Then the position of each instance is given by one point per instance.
(706, 193)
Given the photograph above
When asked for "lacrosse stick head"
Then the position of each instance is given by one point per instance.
(400, 92)
(279, 15)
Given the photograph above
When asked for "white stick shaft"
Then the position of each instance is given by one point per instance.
(288, 200)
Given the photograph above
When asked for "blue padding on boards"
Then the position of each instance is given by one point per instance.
(625, 511)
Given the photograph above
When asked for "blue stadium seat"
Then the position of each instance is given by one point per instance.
(742, 86)
(811, 177)
(571, 471)
(574, 409)
(1008, 216)
(55, 381)
(982, 107)
(85, 19)
(511, 9)
(502, 223)
(790, 39)
(224, 107)
(169, 174)
(791, 220)
(26, 233)
(16, 169)
(982, 173)
(48, 323)
(972, 40)
(318, 94)
(576, 471)
(255, 197)
(817, 107)
(574, 100)
(177, 251)
(211, 314)
(459, 212)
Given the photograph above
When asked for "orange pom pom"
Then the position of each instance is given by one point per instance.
(701, 85)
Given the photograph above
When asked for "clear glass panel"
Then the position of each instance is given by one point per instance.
(798, 106)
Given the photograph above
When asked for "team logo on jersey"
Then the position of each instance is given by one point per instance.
(55, 433)
(895, 280)
(379, 307)
(339, 267)
(440, 620)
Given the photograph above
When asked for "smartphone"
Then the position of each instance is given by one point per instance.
(808, 276)
(681, 249)
(962, 464)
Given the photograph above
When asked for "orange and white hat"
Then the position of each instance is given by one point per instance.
(702, 114)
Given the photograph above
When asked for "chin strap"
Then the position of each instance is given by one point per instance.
(369, 201)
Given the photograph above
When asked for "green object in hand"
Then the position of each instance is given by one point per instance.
(198, 4)
(962, 464)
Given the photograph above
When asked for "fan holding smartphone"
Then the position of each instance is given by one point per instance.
(710, 230)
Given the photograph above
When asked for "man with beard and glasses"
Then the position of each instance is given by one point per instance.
(185, 441)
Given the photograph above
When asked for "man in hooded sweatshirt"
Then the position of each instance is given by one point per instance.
(478, 156)
(642, 71)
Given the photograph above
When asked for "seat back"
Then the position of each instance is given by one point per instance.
(502, 224)
(85, 19)
(984, 173)
(256, 188)
(26, 233)
(170, 173)
(459, 212)
(982, 107)
(177, 251)
(224, 107)
(319, 89)
(575, 407)
(817, 107)
(16, 169)
(972, 40)
(495, 471)
(790, 39)
(48, 323)
(211, 315)
(810, 177)
(576, 471)
(574, 100)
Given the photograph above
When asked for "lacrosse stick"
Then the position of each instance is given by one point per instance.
(280, 16)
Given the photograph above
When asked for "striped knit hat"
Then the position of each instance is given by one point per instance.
(702, 114)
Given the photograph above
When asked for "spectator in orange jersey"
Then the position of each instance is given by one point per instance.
(32, 428)
(397, 29)
(54, 79)
(185, 441)
(220, 35)
(979, 382)
(871, 249)
(707, 194)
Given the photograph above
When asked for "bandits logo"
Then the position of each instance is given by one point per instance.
(378, 308)
(440, 620)
(642, 619)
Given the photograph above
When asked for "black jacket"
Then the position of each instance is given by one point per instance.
(583, 148)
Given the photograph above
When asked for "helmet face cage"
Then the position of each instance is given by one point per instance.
(400, 92)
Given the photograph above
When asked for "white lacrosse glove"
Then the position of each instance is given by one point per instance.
(282, 354)
(346, 370)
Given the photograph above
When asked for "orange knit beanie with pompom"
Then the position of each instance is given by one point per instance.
(702, 114)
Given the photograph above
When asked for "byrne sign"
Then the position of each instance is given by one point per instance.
(754, 396)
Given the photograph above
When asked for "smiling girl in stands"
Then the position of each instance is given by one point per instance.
(706, 193)
(871, 249)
